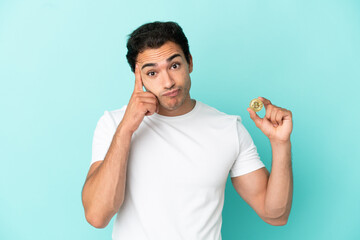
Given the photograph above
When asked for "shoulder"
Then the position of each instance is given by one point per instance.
(112, 118)
(217, 115)
(117, 114)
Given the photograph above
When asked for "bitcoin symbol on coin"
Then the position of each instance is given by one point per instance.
(256, 105)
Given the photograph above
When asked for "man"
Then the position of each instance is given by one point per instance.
(161, 162)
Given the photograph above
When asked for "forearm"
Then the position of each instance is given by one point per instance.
(279, 191)
(104, 190)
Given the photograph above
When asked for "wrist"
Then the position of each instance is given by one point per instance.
(123, 131)
(281, 151)
(280, 143)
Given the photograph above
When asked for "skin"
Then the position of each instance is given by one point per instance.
(165, 76)
(270, 195)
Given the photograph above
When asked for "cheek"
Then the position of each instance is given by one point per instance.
(150, 87)
(187, 80)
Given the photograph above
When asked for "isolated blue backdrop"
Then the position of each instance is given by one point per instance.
(62, 63)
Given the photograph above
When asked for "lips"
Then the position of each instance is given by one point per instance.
(172, 93)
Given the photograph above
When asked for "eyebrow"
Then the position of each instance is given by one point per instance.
(155, 64)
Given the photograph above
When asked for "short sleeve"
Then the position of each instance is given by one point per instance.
(103, 135)
(248, 159)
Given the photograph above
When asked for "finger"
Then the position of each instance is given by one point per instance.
(138, 80)
(150, 100)
(148, 94)
(273, 117)
(268, 112)
(150, 109)
(265, 101)
(151, 95)
(288, 115)
(257, 120)
(279, 116)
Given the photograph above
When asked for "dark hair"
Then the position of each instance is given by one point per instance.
(154, 35)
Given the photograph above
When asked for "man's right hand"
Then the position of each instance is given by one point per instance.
(141, 104)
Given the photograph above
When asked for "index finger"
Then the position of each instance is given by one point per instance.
(138, 80)
(265, 101)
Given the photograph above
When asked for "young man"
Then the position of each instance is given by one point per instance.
(161, 162)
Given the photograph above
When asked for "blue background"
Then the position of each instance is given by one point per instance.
(62, 63)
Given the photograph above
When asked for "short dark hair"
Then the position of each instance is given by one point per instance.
(154, 35)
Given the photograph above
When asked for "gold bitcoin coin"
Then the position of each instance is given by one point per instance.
(256, 104)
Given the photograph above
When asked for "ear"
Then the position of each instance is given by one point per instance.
(190, 63)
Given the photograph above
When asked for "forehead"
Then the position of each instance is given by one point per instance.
(152, 55)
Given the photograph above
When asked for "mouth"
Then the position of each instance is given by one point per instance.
(172, 93)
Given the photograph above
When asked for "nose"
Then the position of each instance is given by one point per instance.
(168, 81)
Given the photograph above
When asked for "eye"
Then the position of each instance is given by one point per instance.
(151, 74)
(175, 65)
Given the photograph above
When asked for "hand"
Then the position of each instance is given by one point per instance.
(141, 104)
(277, 123)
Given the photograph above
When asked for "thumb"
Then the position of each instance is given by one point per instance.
(254, 117)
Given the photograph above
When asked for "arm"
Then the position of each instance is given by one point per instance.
(104, 189)
(280, 185)
(270, 195)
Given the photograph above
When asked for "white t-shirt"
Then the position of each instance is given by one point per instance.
(177, 171)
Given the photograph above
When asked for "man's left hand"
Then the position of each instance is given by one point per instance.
(276, 125)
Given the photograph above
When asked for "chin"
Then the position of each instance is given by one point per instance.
(172, 106)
